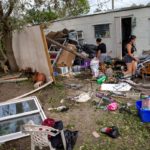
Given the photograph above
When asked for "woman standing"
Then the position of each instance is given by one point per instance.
(129, 58)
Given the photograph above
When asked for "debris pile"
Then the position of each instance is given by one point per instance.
(103, 84)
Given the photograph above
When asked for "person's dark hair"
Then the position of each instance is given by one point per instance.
(131, 37)
(98, 40)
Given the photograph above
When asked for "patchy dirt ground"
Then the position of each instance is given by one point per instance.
(83, 117)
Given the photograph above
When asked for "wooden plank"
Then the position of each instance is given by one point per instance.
(47, 54)
(33, 91)
(13, 80)
(66, 48)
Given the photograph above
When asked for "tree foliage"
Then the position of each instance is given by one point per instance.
(47, 10)
(14, 14)
(74, 8)
(36, 16)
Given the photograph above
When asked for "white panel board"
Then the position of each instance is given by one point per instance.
(29, 50)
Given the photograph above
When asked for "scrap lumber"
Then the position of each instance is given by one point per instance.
(14, 76)
(143, 88)
(139, 85)
(33, 91)
(146, 52)
(13, 80)
(65, 48)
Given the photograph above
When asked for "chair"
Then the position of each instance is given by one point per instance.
(39, 135)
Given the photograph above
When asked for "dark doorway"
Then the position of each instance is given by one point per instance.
(126, 32)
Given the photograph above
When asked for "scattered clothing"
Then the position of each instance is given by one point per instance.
(113, 106)
(70, 136)
(111, 131)
(59, 109)
(83, 97)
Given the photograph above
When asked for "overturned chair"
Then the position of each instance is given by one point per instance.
(40, 135)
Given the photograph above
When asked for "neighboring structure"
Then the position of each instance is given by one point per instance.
(114, 27)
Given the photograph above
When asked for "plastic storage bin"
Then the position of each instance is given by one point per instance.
(144, 114)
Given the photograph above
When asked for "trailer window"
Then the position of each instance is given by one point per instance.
(102, 31)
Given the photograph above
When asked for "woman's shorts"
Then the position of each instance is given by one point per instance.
(103, 58)
(128, 59)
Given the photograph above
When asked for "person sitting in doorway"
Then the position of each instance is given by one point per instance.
(101, 50)
(129, 58)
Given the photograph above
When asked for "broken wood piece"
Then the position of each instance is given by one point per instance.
(33, 91)
(66, 48)
(8, 77)
(142, 90)
(140, 85)
(95, 134)
(146, 52)
(13, 80)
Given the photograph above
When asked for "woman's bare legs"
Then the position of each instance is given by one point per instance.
(134, 67)
(129, 69)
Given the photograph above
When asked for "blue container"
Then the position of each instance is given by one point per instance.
(144, 114)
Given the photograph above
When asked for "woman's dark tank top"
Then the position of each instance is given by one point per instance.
(133, 49)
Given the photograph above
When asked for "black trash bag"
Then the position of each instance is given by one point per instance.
(70, 136)
(89, 49)
(56, 141)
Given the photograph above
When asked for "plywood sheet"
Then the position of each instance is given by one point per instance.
(29, 50)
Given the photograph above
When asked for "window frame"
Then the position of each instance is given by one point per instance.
(16, 135)
(100, 25)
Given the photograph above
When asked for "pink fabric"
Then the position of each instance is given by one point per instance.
(113, 106)
(48, 122)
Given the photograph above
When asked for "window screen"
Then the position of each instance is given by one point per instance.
(17, 108)
(13, 125)
(102, 31)
(16, 113)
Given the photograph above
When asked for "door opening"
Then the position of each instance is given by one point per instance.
(126, 32)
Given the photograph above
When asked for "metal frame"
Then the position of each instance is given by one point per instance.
(17, 135)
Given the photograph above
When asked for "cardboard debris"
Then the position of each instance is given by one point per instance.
(95, 134)
(66, 58)
(83, 97)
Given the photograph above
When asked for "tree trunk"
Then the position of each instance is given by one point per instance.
(7, 41)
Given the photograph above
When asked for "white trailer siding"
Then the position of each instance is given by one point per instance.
(86, 24)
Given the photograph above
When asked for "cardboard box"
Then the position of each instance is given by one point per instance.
(66, 58)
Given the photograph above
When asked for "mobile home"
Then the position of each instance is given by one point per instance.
(114, 27)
